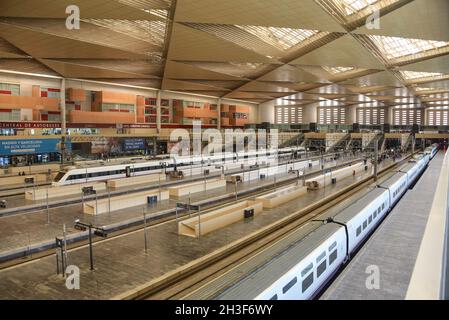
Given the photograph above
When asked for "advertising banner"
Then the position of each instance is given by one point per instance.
(109, 145)
(133, 144)
(31, 146)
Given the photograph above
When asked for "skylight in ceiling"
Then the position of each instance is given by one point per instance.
(270, 42)
(280, 38)
(338, 70)
(413, 75)
(395, 47)
(145, 30)
(354, 6)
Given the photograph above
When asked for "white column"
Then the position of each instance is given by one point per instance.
(63, 120)
(62, 108)
(219, 114)
(158, 111)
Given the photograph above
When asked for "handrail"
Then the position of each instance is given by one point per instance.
(429, 273)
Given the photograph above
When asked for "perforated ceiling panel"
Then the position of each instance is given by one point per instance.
(256, 50)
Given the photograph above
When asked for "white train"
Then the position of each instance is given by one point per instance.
(432, 150)
(73, 175)
(302, 270)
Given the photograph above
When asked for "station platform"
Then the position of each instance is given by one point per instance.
(393, 249)
(18, 203)
(121, 263)
(24, 234)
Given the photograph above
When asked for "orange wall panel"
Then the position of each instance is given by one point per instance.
(29, 102)
(78, 95)
(36, 91)
(118, 97)
(241, 109)
(101, 117)
(199, 113)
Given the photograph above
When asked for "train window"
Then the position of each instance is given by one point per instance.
(306, 270)
(365, 224)
(321, 268)
(383, 206)
(375, 215)
(289, 285)
(321, 257)
(379, 210)
(307, 282)
(359, 231)
(333, 246)
(333, 257)
(275, 297)
(370, 219)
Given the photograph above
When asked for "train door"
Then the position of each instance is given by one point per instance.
(128, 171)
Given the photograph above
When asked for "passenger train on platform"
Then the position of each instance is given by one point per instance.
(325, 250)
(432, 150)
(74, 175)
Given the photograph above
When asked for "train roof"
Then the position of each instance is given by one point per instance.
(393, 179)
(269, 271)
(351, 211)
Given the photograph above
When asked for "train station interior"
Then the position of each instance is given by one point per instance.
(224, 150)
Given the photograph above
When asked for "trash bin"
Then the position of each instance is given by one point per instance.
(249, 213)
(152, 199)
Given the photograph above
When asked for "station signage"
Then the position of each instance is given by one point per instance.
(30, 125)
(31, 146)
(134, 144)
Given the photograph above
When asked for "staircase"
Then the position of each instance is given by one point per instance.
(342, 143)
(294, 141)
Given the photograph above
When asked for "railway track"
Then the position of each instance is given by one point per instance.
(180, 283)
(242, 196)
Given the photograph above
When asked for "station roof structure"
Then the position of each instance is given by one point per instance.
(252, 50)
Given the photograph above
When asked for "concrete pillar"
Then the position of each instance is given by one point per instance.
(62, 107)
(158, 111)
(63, 120)
(219, 114)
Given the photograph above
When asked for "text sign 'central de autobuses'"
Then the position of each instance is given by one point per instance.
(30, 125)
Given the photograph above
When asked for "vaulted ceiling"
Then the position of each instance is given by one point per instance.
(255, 50)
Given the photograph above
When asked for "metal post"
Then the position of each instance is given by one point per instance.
(235, 190)
(199, 222)
(145, 229)
(190, 214)
(160, 196)
(61, 249)
(64, 234)
(109, 200)
(376, 151)
(96, 203)
(91, 255)
(48, 207)
(57, 261)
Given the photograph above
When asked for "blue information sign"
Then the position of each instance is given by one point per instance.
(133, 144)
(31, 146)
